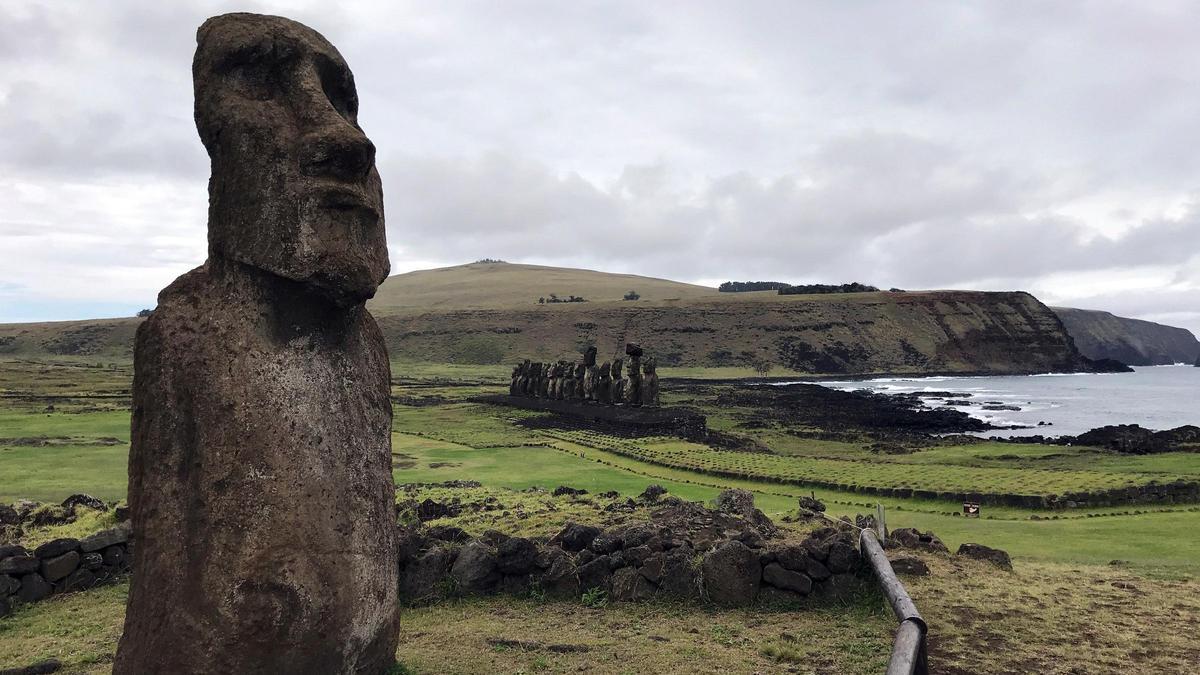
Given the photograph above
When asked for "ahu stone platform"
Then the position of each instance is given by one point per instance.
(677, 421)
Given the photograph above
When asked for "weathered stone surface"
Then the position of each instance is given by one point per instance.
(907, 537)
(58, 567)
(9, 515)
(33, 588)
(92, 561)
(260, 477)
(817, 570)
(80, 579)
(55, 548)
(981, 552)
(114, 556)
(94, 503)
(628, 584)
(19, 564)
(594, 574)
(517, 556)
(839, 588)
(652, 568)
(575, 537)
(913, 567)
(560, 579)
(8, 585)
(421, 578)
(475, 569)
(40, 668)
(843, 557)
(794, 558)
(10, 550)
(732, 574)
(5, 606)
(777, 576)
(104, 539)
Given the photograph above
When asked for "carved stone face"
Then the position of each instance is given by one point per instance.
(294, 190)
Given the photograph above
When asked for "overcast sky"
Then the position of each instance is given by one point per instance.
(1048, 147)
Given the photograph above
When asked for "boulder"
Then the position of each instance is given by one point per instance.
(5, 606)
(560, 579)
(981, 552)
(88, 501)
(653, 566)
(80, 579)
(59, 567)
(10, 550)
(55, 548)
(431, 510)
(817, 570)
(740, 503)
(8, 585)
(114, 556)
(794, 558)
(40, 668)
(448, 533)
(19, 564)
(517, 556)
(775, 575)
(681, 575)
(9, 515)
(475, 568)
(575, 537)
(92, 561)
(907, 537)
(105, 538)
(839, 588)
(422, 577)
(594, 574)
(812, 504)
(652, 493)
(731, 574)
(606, 542)
(628, 584)
(912, 567)
(843, 557)
(33, 588)
(562, 490)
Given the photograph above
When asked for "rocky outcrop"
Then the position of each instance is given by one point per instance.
(1101, 335)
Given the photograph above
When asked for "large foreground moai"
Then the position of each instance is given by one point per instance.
(260, 468)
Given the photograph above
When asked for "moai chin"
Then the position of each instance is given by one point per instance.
(260, 465)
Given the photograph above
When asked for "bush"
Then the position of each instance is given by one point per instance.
(806, 289)
(749, 286)
(631, 295)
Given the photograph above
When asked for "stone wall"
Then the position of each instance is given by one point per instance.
(685, 552)
(62, 566)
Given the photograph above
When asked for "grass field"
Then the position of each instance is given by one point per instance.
(1069, 609)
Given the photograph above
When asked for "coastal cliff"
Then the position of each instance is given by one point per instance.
(1101, 335)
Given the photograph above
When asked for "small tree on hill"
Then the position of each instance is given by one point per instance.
(631, 295)
(763, 367)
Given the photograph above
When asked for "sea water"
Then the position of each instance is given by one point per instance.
(1156, 397)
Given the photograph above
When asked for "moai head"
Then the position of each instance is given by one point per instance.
(648, 366)
(616, 367)
(294, 190)
(589, 357)
(633, 350)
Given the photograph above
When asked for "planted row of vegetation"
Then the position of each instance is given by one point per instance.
(1028, 488)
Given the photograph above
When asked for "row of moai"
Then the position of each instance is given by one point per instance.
(587, 382)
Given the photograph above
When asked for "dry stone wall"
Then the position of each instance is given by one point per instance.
(62, 565)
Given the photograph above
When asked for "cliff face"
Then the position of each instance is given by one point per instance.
(1101, 335)
(837, 334)
(861, 333)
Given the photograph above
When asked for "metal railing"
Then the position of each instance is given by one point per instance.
(908, 649)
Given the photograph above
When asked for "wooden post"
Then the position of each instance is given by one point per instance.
(880, 523)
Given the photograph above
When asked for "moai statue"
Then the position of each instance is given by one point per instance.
(514, 384)
(535, 380)
(650, 383)
(604, 383)
(619, 385)
(633, 389)
(523, 382)
(260, 472)
(580, 375)
(551, 379)
(544, 383)
(590, 374)
(568, 381)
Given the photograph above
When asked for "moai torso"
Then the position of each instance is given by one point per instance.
(260, 478)
(604, 383)
(650, 383)
(617, 395)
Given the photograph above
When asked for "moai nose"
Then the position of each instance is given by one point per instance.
(340, 153)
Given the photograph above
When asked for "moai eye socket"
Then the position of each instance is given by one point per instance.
(338, 84)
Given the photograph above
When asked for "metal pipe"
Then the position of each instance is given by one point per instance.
(908, 650)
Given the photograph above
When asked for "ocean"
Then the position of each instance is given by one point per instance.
(1156, 397)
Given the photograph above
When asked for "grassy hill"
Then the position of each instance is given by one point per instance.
(489, 313)
(500, 285)
(1101, 335)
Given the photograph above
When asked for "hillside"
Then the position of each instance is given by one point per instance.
(1101, 335)
(489, 313)
(497, 285)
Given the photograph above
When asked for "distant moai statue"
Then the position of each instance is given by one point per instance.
(619, 385)
(523, 382)
(568, 382)
(650, 383)
(604, 383)
(260, 482)
(553, 380)
(544, 383)
(580, 374)
(590, 374)
(514, 385)
(633, 389)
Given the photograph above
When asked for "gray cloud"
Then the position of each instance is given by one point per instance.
(989, 145)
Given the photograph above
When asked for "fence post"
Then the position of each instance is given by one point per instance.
(880, 523)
